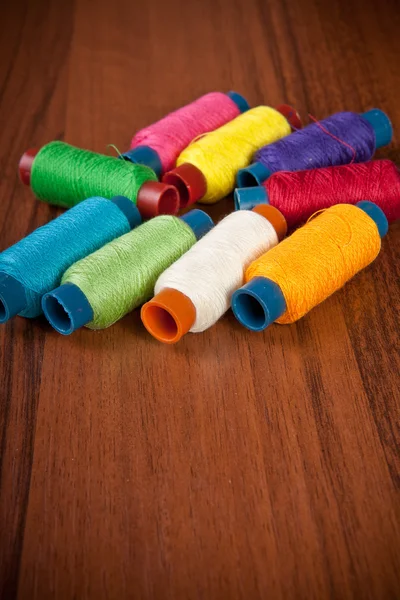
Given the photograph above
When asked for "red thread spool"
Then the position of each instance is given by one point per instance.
(298, 195)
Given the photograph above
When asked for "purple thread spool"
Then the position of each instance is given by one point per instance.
(312, 147)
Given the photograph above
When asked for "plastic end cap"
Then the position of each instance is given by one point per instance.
(144, 155)
(248, 198)
(291, 115)
(258, 303)
(129, 209)
(12, 297)
(199, 222)
(67, 308)
(239, 100)
(376, 215)
(382, 126)
(155, 198)
(275, 217)
(189, 181)
(252, 176)
(25, 165)
(168, 316)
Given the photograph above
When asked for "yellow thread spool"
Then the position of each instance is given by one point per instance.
(217, 156)
(310, 265)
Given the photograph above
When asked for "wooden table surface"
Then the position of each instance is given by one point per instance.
(232, 465)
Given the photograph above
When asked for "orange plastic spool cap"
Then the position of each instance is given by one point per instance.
(168, 316)
(275, 217)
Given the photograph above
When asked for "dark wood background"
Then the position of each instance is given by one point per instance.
(232, 465)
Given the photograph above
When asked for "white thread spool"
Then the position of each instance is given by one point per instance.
(196, 290)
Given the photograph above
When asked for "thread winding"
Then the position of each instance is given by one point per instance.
(39, 260)
(213, 269)
(170, 135)
(121, 275)
(319, 258)
(64, 175)
(221, 153)
(299, 195)
(311, 147)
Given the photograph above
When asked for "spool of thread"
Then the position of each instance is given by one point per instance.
(159, 145)
(64, 175)
(299, 195)
(100, 289)
(207, 168)
(343, 138)
(196, 290)
(36, 264)
(310, 265)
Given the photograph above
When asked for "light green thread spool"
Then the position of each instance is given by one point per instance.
(121, 275)
(64, 175)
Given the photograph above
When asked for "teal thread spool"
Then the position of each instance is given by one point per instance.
(36, 263)
(103, 287)
(64, 175)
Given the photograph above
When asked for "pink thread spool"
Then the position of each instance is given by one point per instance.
(159, 145)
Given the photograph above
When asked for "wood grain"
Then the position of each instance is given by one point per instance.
(233, 465)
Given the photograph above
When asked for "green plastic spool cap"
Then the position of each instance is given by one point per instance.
(67, 308)
(12, 297)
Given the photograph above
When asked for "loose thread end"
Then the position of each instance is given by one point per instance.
(334, 137)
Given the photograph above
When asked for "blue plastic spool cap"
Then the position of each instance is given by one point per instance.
(239, 100)
(376, 214)
(144, 155)
(252, 176)
(382, 126)
(12, 297)
(199, 222)
(67, 308)
(129, 209)
(258, 303)
(248, 198)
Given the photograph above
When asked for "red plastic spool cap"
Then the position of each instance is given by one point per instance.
(168, 316)
(25, 165)
(275, 217)
(155, 198)
(291, 115)
(189, 181)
